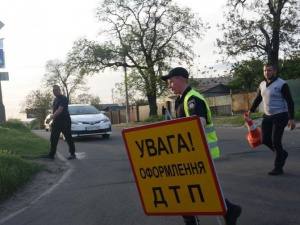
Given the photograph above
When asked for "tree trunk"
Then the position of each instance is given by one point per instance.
(275, 45)
(152, 104)
(273, 57)
(151, 90)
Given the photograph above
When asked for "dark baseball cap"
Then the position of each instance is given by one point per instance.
(178, 71)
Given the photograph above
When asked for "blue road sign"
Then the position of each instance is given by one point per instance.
(2, 63)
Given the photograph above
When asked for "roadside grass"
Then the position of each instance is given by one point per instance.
(18, 139)
(17, 146)
(14, 173)
(237, 120)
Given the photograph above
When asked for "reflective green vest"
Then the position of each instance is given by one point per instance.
(210, 130)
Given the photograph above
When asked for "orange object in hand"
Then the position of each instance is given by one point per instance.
(254, 135)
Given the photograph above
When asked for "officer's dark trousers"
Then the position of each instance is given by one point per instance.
(191, 220)
(64, 126)
(272, 131)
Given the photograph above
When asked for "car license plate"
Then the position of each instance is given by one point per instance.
(92, 128)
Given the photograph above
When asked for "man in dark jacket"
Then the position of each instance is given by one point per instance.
(61, 123)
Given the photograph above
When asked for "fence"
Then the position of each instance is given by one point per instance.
(136, 113)
(294, 87)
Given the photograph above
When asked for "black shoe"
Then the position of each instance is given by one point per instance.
(234, 211)
(190, 220)
(72, 156)
(48, 156)
(276, 171)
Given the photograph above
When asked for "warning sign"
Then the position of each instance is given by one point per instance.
(173, 168)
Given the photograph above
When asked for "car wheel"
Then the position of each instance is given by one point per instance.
(105, 136)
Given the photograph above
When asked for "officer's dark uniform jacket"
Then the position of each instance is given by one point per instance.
(192, 103)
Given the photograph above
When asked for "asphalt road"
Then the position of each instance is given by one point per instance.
(99, 187)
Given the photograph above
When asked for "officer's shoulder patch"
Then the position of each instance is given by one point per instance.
(191, 104)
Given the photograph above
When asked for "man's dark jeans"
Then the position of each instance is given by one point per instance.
(61, 126)
(272, 131)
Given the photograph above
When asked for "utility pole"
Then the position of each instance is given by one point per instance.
(112, 96)
(126, 91)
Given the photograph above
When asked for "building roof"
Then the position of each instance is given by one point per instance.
(110, 107)
(207, 88)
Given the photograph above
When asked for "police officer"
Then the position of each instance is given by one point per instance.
(189, 103)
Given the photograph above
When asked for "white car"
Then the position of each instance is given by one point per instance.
(88, 120)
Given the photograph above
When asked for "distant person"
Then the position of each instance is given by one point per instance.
(61, 124)
(163, 110)
(279, 112)
(189, 103)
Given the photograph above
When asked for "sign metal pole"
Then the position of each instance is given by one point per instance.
(2, 65)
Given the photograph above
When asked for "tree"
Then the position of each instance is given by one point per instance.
(141, 102)
(145, 36)
(290, 68)
(86, 98)
(39, 102)
(261, 28)
(193, 82)
(69, 79)
(246, 75)
(119, 96)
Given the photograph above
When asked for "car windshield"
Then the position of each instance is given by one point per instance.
(83, 110)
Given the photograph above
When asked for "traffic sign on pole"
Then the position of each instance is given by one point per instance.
(173, 168)
(2, 63)
(4, 76)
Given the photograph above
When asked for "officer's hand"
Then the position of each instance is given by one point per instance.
(291, 124)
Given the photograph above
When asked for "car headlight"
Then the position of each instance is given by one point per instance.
(76, 122)
(104, 121)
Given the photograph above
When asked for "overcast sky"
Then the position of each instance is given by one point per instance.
(36, 31)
